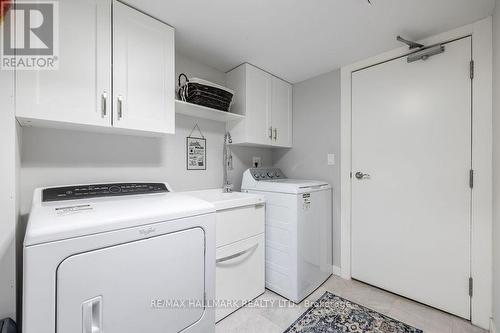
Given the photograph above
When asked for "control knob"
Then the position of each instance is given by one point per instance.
(115, 189)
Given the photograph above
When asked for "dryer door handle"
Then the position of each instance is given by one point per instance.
(92, 315)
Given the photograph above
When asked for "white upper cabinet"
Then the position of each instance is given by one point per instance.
(79, 91)
(143, 72)
(281, 116)
(79, 94)
(266, 103)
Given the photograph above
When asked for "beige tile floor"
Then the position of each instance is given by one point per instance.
(275, 319)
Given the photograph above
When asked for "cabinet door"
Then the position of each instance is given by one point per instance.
(239, 274)
(237, 224)
(143, 72)
(79, 91)
(258, 106)
(281, 112)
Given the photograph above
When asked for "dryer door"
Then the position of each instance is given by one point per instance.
(150, 285)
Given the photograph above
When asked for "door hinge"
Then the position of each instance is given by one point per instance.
(472, 69)
(350, 174)
(471, 178)
(471, 287)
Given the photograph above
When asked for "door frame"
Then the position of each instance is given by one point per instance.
(482, 160)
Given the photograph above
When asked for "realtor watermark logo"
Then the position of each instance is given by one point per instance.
(30, 36)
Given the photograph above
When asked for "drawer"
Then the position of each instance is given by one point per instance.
(239, 274)
(239, 223)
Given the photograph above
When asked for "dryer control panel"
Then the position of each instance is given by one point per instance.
(100, 190)
(267, 173)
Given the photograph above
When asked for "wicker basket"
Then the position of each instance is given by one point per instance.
(205, 93)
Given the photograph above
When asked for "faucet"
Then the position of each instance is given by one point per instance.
(228, 164)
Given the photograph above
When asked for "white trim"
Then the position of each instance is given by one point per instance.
(481, 247)
(493, 328)
(336, 270)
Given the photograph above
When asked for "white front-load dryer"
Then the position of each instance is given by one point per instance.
(118, 258)
(298, 231)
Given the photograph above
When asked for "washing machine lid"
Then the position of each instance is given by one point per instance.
(274, 180)
(293, 186)
(56, 220)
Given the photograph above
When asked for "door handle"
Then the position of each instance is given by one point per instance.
(104, 98)
(92, 315)
(270, 132)
(360, 175)
(236, 255)
(275, 133)
(120, 107)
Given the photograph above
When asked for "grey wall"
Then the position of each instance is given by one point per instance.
(316, 133)
(54, 157)
(496, 164)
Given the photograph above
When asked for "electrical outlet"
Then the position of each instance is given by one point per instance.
(256, 161)
(331, 159)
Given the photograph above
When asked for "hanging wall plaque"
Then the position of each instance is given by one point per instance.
(196, 148)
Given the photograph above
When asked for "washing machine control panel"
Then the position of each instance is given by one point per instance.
(101, 190)
(267, 173)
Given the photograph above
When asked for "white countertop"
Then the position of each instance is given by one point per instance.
(230, 200)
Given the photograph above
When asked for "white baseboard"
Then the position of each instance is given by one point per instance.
(336, 270)
(493, 328)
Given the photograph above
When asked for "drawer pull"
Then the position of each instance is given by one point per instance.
(236, 255)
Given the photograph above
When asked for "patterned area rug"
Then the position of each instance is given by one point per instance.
(333, 314)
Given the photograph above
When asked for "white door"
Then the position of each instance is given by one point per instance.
(411, 133)
(281, 116)
(79, 91)
(258, 99)
(133, 287)
(143, 72)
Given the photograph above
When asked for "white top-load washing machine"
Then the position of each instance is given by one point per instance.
(298, 231)
(118, 258)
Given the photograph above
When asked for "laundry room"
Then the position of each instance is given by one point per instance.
(255, 166)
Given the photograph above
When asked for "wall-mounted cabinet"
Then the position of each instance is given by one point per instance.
(79, 94)
(266, 103)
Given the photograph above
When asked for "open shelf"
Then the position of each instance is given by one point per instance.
(198, 111)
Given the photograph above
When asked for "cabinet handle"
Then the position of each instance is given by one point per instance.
(236, 255)
(120, 105)
(270, 132)
(104, 98)
(275, 133)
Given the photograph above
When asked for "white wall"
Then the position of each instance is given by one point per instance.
(194, 69)
(8, 208)
(496, 165)
(316, 132)
(54, 157)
